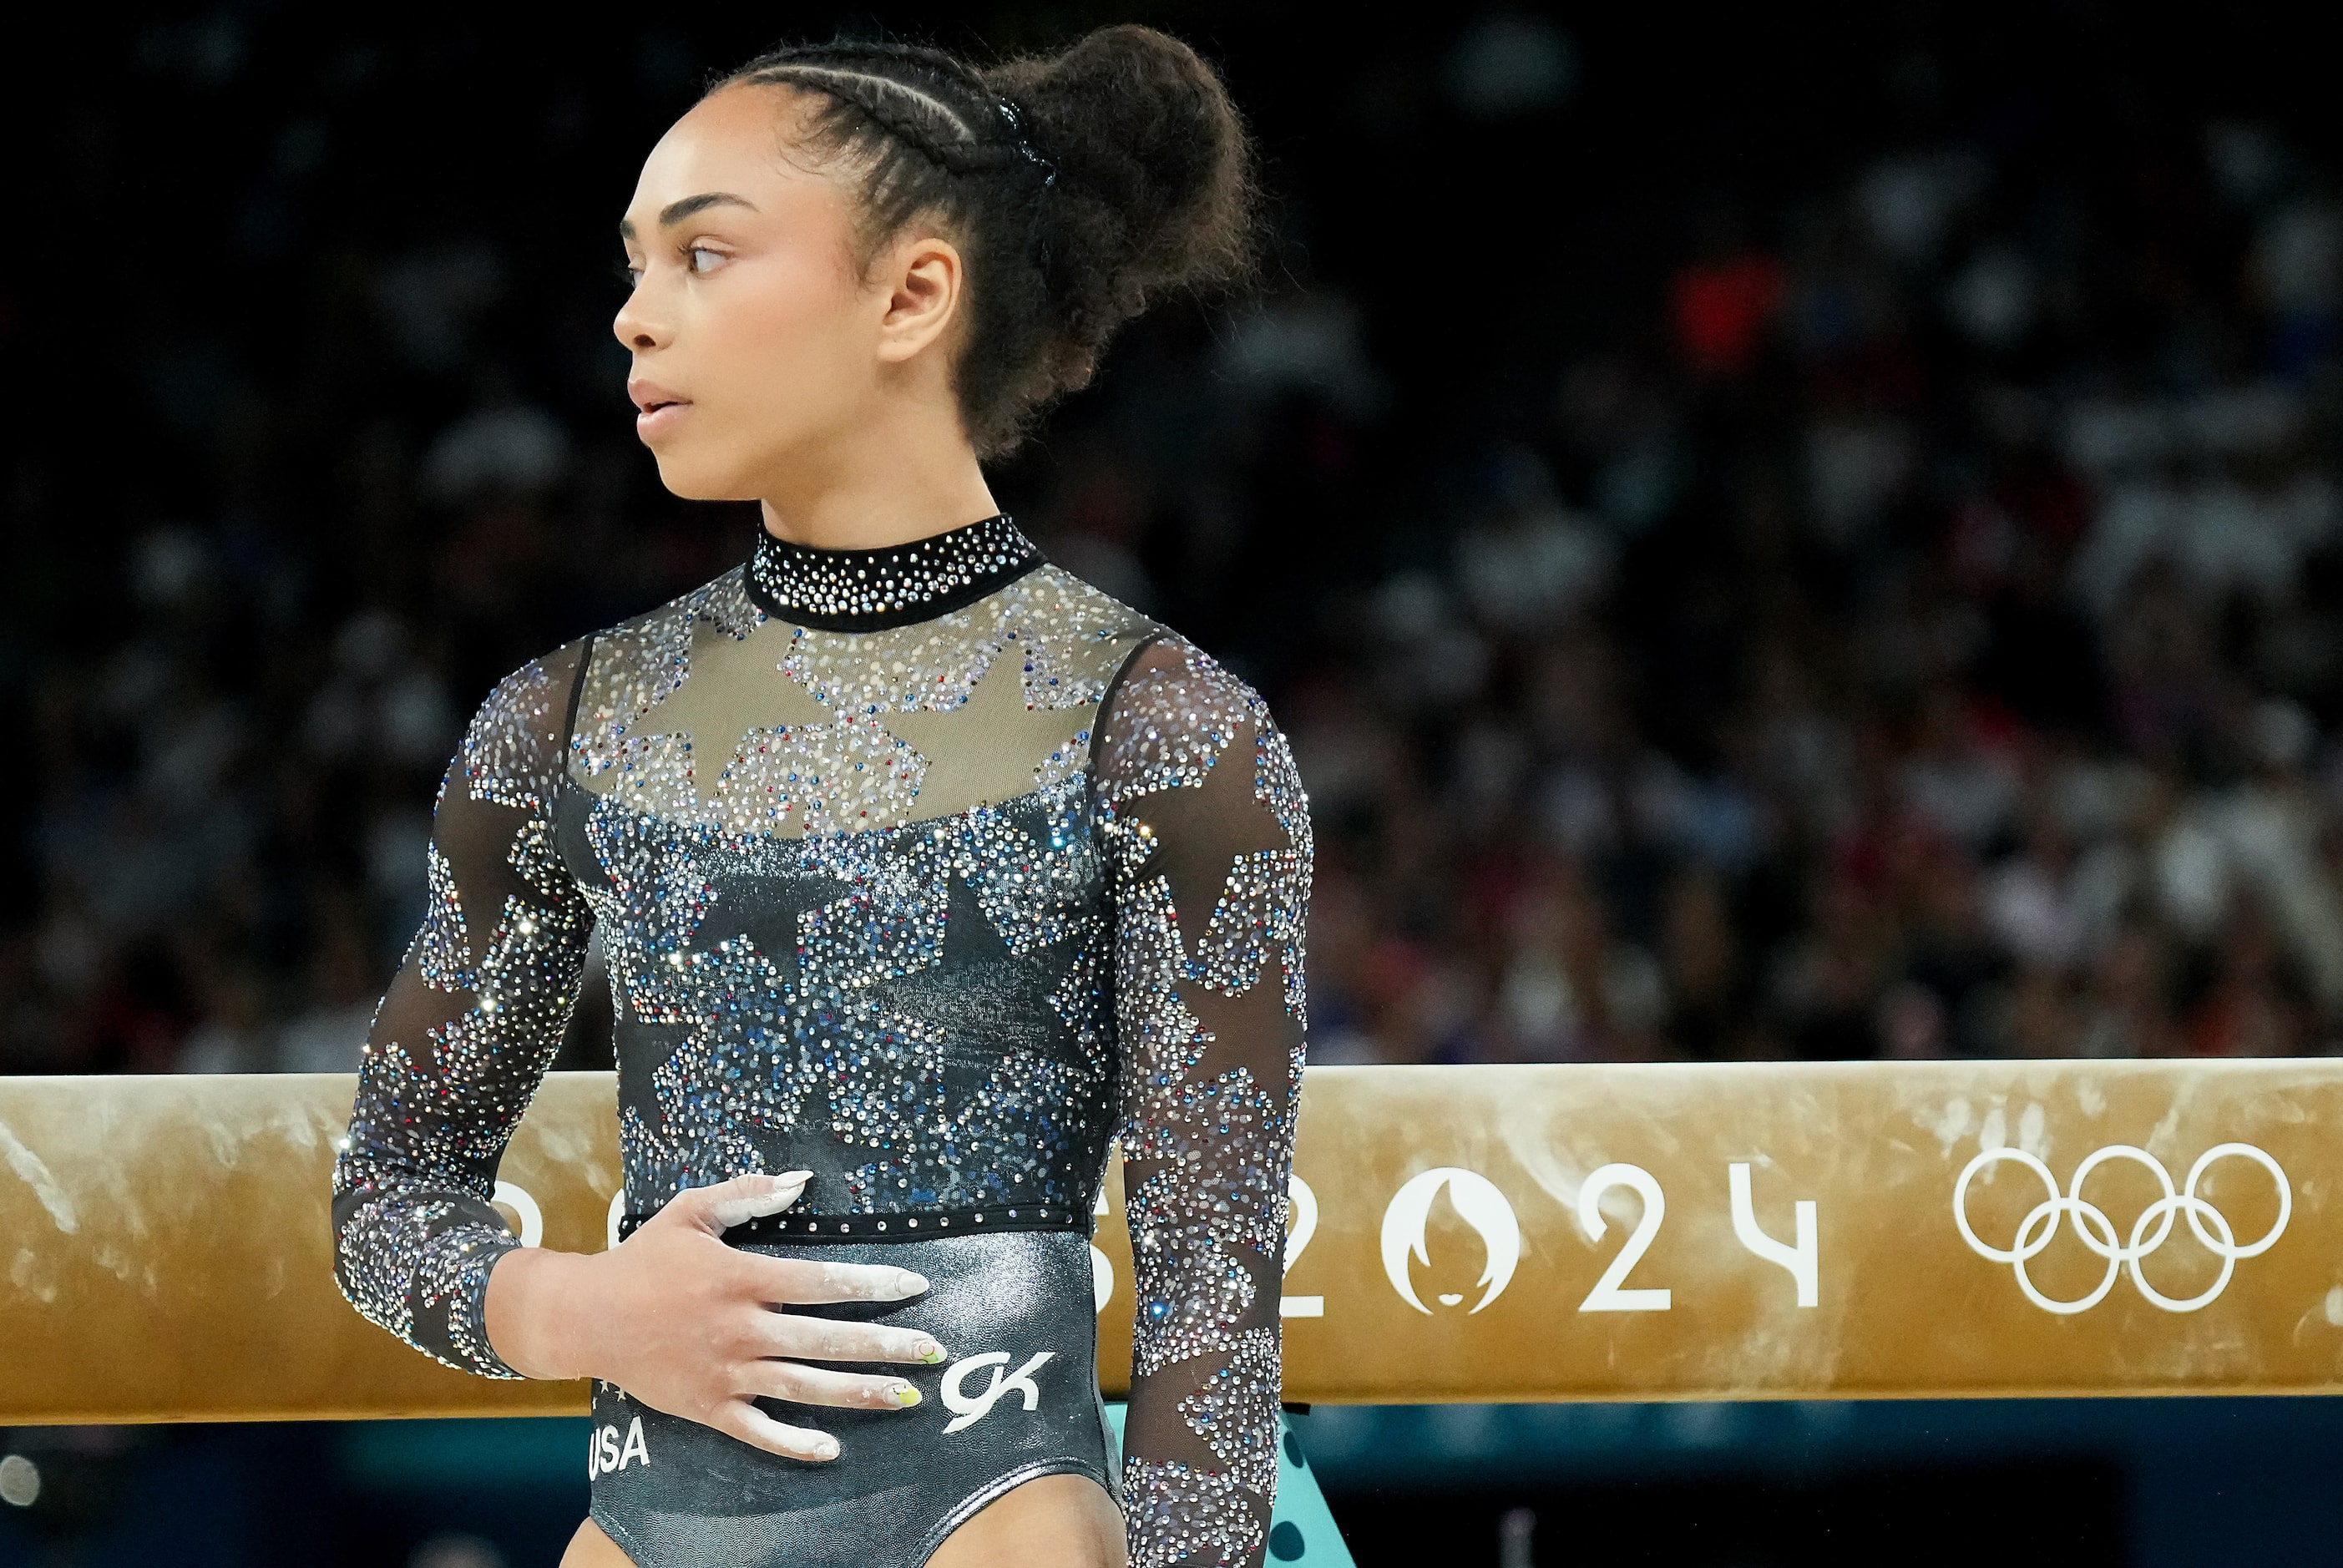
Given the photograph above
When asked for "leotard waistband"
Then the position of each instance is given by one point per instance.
(926, 1225)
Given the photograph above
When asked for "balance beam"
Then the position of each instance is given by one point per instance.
(1458, 1233)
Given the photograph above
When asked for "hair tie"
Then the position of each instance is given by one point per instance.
(1015, 120)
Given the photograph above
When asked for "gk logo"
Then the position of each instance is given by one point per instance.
(966, 1409)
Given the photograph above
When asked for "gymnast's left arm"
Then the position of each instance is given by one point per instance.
(1207, 834)
(464, 1033)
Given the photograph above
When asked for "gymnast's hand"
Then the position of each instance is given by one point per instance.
(691, 1326)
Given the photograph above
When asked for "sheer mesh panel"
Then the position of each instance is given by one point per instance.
(710, 713)
(466, 1032)
(1209, 840)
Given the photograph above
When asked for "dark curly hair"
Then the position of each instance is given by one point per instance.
(1077, 186)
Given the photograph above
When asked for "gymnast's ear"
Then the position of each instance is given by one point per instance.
(923, 281)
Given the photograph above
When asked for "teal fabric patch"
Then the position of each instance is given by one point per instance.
(1301, 1526)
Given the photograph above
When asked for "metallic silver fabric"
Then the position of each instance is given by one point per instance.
(1014, 1314)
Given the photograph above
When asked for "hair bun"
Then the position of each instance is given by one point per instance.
(1154, 188)
(1151, 189)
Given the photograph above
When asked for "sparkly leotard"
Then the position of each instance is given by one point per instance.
(930, 870)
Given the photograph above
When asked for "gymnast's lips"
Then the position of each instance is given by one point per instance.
(660, 409)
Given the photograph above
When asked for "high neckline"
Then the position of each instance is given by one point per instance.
(870, 591)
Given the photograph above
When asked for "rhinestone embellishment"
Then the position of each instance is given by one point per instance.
(869, 589)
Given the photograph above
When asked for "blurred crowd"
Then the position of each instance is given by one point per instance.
(1928, 647)
(1906, 627)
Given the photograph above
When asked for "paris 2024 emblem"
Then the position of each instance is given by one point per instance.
(1480, 1205)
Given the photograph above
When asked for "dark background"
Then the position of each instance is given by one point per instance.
(1801, 532)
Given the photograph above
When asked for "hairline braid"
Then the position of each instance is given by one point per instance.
(836, 71)
(936, 62)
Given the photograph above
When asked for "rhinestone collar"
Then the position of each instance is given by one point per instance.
(870, 591)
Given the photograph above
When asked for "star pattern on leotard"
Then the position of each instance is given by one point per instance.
(941, 906)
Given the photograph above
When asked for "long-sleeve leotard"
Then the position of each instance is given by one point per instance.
(1178, 794)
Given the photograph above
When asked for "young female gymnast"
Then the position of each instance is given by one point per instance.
(922, 870)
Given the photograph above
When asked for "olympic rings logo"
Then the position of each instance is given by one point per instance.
(2097, 1232)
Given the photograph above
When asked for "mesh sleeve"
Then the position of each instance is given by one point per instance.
(466, 1032)
(1209, 835)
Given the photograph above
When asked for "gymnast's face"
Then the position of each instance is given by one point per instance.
(763, 354)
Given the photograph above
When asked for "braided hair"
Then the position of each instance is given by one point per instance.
(1078, 186)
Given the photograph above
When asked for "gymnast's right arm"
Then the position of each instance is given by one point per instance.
(459, 1044)
(464, 1033)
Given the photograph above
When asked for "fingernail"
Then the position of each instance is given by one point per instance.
(792, 1179)
(912, 1285)
(826, 1448)
(931, 1352)
(905, 1394)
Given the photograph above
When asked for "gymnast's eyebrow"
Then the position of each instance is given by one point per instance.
(676, 212)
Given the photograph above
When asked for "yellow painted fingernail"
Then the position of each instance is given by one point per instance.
(906, 1395)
